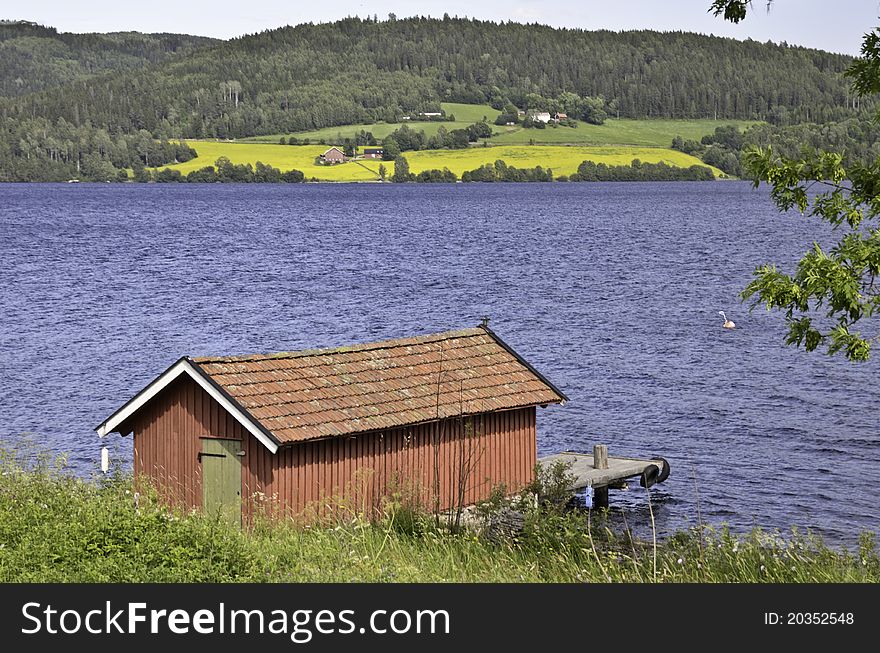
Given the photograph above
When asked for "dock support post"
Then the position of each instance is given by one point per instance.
(600, 461)
(600, 497)
(600, 456)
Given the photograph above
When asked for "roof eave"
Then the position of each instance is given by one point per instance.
(185, 365)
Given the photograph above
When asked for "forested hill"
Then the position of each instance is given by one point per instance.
(34, 58)
(358, 71)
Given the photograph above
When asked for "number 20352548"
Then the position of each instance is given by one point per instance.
(809, 618)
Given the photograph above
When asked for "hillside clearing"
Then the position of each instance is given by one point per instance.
(657, 133)
(649, 132)
(470, 113)
(465, 115)
(379, 130)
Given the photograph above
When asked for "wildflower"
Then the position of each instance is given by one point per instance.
(763, 568)
(681, 561)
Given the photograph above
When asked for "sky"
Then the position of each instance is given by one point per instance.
(837, 26)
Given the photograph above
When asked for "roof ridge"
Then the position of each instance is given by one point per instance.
(380, 344)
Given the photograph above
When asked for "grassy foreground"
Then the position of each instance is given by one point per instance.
(561, 159)
(58, 528)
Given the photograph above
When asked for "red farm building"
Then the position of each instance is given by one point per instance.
(448, 415)
(333, 155)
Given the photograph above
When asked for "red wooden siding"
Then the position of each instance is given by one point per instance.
(494, 448)
(361, 470)
(167, 438)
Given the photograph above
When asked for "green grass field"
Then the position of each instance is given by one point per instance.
(465, 115)
(470, 113)
(562, 160)
(656, 133)
(652, 133)
(336, 134)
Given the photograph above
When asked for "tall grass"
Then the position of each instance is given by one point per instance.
(57, 527)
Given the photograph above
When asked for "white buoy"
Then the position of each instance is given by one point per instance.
(105, 460)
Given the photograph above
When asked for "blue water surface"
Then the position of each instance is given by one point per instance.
(611, 290)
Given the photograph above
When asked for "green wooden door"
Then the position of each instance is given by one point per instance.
(221, 478)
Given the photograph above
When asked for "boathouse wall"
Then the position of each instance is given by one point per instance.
(459, 460)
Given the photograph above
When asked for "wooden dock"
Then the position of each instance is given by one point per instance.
(601, 471)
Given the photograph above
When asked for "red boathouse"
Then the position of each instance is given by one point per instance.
(448, 416)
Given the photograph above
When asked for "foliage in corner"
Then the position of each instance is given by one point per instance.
(839, 281)
(732, 10)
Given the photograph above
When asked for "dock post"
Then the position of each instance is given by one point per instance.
(600, 456)
(600, 461)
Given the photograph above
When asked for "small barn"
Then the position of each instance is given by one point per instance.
(374, 152)
(446, 416)
(333, 155)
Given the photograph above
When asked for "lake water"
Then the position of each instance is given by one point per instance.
(611, 290)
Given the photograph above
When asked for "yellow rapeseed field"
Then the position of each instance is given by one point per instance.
(561, 159)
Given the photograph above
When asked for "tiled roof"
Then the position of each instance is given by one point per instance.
(319, 393)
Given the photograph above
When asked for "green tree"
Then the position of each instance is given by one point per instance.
(593, 110)
(383, 172)
(292, 176)
(838, 283)
(139, 172)
(390, 149)
(401, 170)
